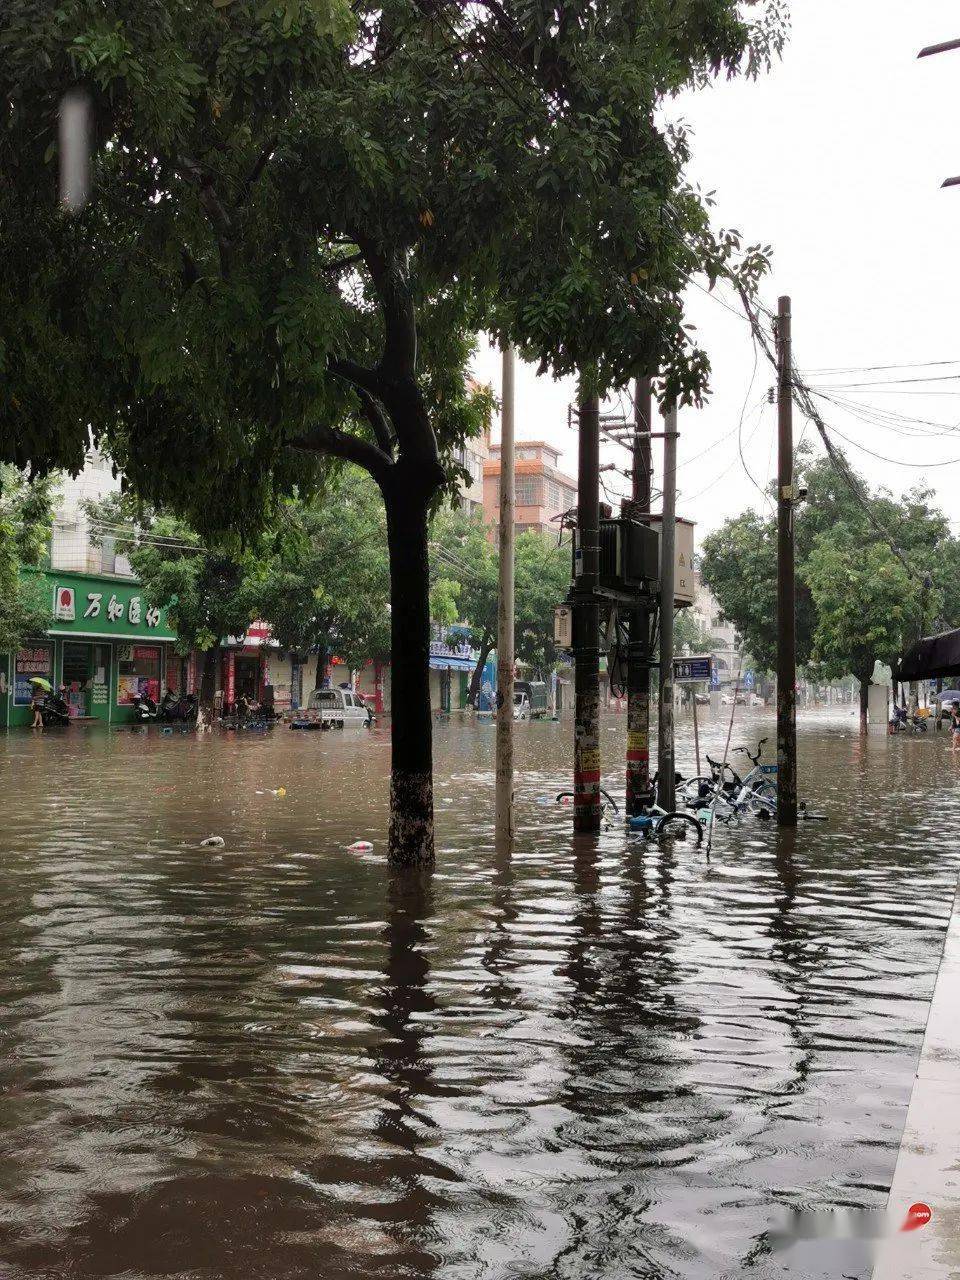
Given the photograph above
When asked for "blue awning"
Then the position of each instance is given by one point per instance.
(445, 663)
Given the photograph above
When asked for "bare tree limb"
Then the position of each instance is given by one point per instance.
(262, 161)
(375, 415)
(358, 374)
(341, 444)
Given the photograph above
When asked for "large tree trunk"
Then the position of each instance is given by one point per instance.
(864, 700)
(208, 679)
(475, 680)
(411, 780)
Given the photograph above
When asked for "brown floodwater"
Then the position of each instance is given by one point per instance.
(590, 1059)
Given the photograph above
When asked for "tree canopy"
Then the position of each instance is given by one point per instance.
(286, 194)
(466, 574)
(26, 519)
(873, 571)
(325, 583)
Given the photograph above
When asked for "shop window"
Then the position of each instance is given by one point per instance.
(32, 660)
(138, 673)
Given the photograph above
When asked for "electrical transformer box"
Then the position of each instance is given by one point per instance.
(629, 556)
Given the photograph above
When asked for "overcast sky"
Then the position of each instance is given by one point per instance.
(835, 159)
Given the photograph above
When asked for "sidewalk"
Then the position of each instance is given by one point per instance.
(928, 1166)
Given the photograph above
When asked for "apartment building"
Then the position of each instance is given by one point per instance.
(543, 491)
(472, 456)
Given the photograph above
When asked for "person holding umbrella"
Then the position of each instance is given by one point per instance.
(955, 726)
(41, 688)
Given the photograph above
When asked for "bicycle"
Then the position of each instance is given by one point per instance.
(691, 791)
(656, 820)
(659, 822)
(754, 794)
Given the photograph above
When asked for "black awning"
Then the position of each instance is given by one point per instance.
(931, 657)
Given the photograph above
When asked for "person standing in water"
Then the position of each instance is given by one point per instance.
(955, 727)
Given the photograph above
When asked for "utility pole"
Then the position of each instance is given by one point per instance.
(638, 653)
(505, 609)
(666, 768)
(786, 585)
(586, 623)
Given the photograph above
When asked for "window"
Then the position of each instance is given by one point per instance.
(553, 495)
(529, 491)
(138, 673)
(108, 555)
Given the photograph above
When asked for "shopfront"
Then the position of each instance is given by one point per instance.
(106, 644)
(450, 670)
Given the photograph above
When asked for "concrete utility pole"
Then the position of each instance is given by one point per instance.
(586, 624)
(638, 653)
(505, 609)
(666, 768)
(786, 585)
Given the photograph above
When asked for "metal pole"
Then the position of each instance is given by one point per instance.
(505, 609)
(586, 624)
(786, 586)
(638, 653)
(696, 734)
(666, 785)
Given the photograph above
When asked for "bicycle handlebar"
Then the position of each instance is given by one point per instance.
(747, 752)
(563, 795)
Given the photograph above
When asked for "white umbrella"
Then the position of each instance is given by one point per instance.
(949, 695)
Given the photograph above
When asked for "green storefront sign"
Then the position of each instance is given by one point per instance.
(106, 643)
(91, 606)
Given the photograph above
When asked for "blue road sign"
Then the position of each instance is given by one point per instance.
(693, 670)
(749, 680)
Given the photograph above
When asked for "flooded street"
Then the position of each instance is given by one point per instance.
(591, 1060)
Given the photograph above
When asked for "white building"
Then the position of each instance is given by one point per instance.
(711, 619)
(72, 548)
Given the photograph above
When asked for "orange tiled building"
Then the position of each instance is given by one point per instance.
(543, 491)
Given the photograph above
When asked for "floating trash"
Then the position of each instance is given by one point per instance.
(360, 846)
(212, 842)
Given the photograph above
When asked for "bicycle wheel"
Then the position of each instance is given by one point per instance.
(692, 791)
(678, 826)
(763, 799)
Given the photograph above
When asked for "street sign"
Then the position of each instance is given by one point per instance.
(714, 679)
(749, 680)
(693, 670)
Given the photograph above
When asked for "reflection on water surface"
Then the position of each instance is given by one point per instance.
(587, 1060)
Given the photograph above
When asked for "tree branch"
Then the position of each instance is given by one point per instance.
(358, 374)
(341, 444)
(348, 261)
(389, 276)
(375, 415)
(216, 213)
(262, 161)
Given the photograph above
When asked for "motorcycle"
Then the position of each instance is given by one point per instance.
(169, 710)
(144, 709)
(54, 711)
